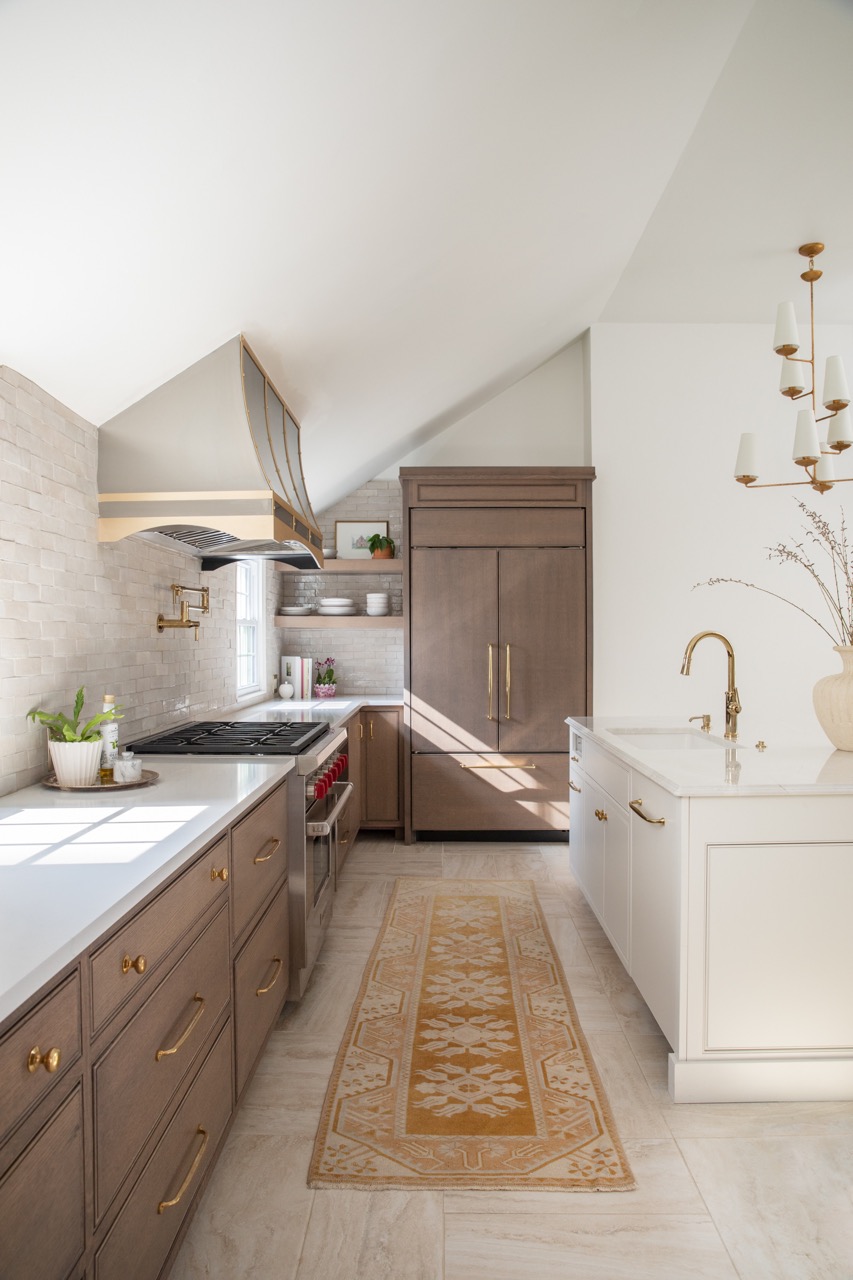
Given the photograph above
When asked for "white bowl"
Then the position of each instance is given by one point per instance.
(335, 601)
(337, 610)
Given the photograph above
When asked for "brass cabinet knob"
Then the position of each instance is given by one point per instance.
(221, 874)
(49, 1060)
(601, 815)
(140, 964)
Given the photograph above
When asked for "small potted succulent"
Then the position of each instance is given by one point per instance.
(325, 681)
(75, 752)
(381, 546)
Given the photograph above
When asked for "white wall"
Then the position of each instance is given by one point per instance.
(668, 404)
(538, 421)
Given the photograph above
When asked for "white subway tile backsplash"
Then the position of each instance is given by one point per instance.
(75, 611)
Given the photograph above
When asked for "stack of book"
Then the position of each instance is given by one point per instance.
(300, 673)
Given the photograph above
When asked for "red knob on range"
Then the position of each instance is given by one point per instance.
(328, 778)
(344, 759)
(320, 788)
(337, 768)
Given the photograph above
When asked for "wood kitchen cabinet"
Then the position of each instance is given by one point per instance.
(380, 766)
(42, 1164)
(497, 643)
(121, 1080)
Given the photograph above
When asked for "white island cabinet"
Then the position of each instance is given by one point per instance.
(723, 876)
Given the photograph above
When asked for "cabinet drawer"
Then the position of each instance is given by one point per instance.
(258, 856)
(610, 774)
(490, 792)
(132, 1085)
(261, 977)
(42, 1200)
(498, 527)
(53, 1024)
(152, 933)
(139, 1240)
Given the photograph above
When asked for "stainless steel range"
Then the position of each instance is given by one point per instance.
(318, 793)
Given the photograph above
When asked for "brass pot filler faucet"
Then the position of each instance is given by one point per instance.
(184, 620)
(732, 698)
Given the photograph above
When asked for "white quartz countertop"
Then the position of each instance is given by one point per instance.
(333, 710)
(72, 864)
(714, 767)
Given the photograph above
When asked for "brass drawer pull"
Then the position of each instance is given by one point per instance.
(601, 815)
(508, 682)
(573, 787)
(49, 1060)
(491, 686)
(205, 1137)
(636, 806)
(140, 964)
(165, 1053)
(275, 843)
(221, 874)
(499, 766)
(575, 759)
(262, 991)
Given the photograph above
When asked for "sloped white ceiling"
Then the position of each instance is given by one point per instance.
(403, 204)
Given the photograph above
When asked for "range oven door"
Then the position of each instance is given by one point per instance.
(321, 835)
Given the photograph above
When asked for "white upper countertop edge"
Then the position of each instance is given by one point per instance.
(73, 864)
(719, 768)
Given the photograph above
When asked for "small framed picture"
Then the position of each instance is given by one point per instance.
(351, 537)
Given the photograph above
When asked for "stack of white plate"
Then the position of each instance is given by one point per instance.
(377, 604)
(296, 610)
(336, 606)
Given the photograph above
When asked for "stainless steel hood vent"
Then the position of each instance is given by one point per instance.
(212, 461)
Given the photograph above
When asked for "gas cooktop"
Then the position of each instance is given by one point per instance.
(230, 737)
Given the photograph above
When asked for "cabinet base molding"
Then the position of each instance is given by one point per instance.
(761, 1080)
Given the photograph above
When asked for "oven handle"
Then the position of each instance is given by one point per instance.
(325, 828)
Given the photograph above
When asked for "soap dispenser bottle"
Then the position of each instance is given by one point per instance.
(109, 741)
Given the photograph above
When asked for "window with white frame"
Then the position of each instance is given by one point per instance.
(250, 626)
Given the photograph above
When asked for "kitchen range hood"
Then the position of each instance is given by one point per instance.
(210, 460)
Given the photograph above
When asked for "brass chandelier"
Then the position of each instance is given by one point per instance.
(815, 451)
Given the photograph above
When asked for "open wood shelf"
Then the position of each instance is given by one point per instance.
(348, 566)
(322, 621)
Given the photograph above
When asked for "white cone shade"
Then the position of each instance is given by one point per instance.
(793, 378)
(825, 469)
(747, 457)
(786, 334)
(835, 390)
(841, 429)
(806, 445)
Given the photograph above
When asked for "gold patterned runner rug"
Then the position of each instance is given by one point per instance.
(463, 1064)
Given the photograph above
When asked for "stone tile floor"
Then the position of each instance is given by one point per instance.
(749, 1191)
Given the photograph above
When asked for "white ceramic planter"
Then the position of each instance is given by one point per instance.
(833, 701)
(76, 764)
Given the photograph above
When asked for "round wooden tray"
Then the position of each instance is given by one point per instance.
(148, 776)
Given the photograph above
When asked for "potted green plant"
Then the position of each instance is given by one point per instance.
(381, 546)
(75, 752)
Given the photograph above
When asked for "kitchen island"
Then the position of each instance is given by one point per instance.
(723, 876)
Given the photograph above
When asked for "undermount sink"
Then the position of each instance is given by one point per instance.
(659, 739)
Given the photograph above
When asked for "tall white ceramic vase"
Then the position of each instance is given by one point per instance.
(76, 764)
(833, 701)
